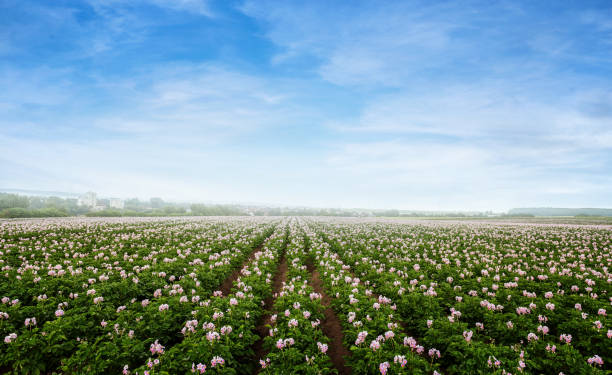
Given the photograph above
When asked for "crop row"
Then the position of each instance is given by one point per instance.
(296, 343)
(220, 334)
(315, 296)
(491, 300)
(72, 296)
(371, 329)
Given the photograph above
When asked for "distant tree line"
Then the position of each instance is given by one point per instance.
(19, 206)
(554, 211)
(215, 210)
(14, 206)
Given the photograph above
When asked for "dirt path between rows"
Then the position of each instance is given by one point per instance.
(228, 283)
(331, 326)
(279, 279)
(400, 321)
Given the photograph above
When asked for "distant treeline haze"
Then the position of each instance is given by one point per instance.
(19, 206)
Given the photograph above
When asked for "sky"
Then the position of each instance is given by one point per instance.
(426, 105)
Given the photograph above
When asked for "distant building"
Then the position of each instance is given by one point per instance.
(88, 199)
(117, 203)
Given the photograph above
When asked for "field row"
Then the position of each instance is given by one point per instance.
(249, 295)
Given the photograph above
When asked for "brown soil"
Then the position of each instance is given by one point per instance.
(331, 326)
(228, 283)
(277, 283)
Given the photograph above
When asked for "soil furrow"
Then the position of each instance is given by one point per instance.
(228, 283)
(280, 278)
(331, 326)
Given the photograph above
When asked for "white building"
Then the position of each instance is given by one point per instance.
(88, 199)
(116, 203)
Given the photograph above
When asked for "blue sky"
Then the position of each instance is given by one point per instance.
(408, 104)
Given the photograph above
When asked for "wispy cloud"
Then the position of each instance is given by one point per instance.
(492, 111)
(200, 7)
(353, 44)
(461, 94)
(448, 105)
(426, 174)
(393, 44)
(184, 131)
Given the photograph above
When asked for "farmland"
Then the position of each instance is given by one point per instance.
(311, 296)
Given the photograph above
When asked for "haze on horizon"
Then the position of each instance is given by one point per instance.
(425, 105)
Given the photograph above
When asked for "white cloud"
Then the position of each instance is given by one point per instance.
(480, 146)
(39, 86)
(201, 7)
(484, 111)
(184, 132)
(599, 19)
(430, 175)
(359, 45)
(201, 102)
(417, 115)
(407, 44)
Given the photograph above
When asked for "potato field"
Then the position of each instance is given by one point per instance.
(265, 295)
